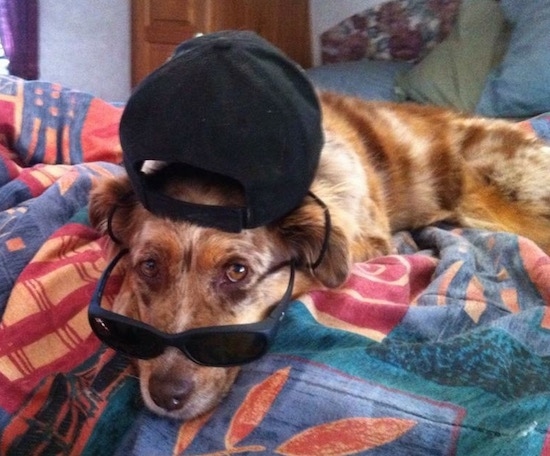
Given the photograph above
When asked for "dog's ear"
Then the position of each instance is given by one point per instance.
(111, 203)
(304, 232)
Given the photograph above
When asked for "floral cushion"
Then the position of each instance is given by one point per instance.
(395, 30)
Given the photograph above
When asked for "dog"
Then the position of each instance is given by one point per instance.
(383, 168)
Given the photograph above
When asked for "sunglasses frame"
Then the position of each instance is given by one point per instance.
(264, 330)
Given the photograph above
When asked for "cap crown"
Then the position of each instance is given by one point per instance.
(232, 104)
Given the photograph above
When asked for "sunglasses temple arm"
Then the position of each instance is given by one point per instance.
(279, 312)
(104, 276)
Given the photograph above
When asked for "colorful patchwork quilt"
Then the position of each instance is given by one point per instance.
(440, 349)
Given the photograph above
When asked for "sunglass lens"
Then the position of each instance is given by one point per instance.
(132, 340)
(226, 349)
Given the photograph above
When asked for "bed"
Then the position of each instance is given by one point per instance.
(442, 348)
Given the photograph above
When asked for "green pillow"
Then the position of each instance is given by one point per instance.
(453, 74)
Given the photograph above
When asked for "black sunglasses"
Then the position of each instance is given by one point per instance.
(216, 346)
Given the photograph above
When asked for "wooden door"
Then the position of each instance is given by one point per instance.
(160, 25)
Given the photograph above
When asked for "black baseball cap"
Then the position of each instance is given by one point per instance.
(231, 104)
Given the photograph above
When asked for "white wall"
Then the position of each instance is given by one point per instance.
(327, 13)
(85, 45)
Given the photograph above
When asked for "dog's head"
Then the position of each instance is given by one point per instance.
(179, 276)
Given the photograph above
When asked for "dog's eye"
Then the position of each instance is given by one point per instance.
(236, 272)
(149, 268)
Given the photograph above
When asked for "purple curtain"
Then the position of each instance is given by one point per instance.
(19, 36)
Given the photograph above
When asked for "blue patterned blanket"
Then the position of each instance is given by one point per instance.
(443, 348)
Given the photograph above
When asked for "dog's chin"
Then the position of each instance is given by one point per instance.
(207, 386)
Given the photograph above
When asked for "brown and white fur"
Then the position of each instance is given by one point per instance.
(384, 167)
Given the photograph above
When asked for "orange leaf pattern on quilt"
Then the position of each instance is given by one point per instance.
(188, 431)
(335, 438)
(346, 436)
(255, 406)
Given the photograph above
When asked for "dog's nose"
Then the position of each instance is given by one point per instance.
(169, 393)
